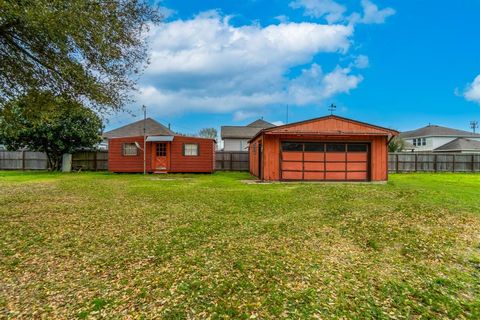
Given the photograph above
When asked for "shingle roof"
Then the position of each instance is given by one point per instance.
(435, 131)
(260, 123)
(244, 132)
(136, 129)
(460, 144)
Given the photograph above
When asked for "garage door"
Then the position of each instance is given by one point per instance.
(328, 161)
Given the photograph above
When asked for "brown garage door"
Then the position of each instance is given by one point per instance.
(330, 161)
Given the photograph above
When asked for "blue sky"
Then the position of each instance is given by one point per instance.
(400, 64)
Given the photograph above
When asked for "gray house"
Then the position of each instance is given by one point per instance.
(433, 138)
(235, 138)
(135, 129)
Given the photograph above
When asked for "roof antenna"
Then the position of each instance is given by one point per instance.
(332, 108)
(474, 125)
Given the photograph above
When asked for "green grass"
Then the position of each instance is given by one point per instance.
(211, 246)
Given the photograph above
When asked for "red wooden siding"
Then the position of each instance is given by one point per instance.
(204, 162)
(329, 129)
(117, 162)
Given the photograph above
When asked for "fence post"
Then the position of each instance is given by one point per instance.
(95, 164)
(396, 163)
(435, 163)
(231, 161)
(23, 159)
(416, 159)
(453, 163)
(473, 162)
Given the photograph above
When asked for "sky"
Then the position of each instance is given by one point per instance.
(399, 64)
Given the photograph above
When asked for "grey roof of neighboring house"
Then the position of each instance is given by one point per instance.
(436, 131)
(135, 129)
(460, 144)
(245, 132)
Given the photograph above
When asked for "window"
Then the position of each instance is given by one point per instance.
(161, 150)
(314, 147)
(130, 149)
(190, 149)
(414, 142)
(424, 141)
(357, 147)
(335, 147)
(292, 146)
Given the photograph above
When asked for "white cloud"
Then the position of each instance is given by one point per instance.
(361, 62)
(371, 13)
(331, 10)
(472, 91)
(206, 64)
(313, 86)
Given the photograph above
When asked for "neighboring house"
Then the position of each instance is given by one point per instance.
(461, 145)
(235, 138)
(165, 150)
(432, 137)
(329, 148)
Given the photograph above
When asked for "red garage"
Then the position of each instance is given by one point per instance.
(329, 148)
(165, 150)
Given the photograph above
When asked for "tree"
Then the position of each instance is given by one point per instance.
(208, 133)
(397, 144)
(89, 50)
(55, 125)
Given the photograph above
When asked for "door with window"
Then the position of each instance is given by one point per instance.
(330, 161)
(160, 156)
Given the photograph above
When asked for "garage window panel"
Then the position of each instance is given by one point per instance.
(335, 147)
(292, 146)
(357, 147)
(314, 147)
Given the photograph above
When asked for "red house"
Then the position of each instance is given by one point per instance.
(165, 150)
(329, 148)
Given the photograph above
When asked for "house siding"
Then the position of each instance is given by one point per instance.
(205, 162)
(235, 144)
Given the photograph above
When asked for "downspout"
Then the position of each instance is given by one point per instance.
(263, 156)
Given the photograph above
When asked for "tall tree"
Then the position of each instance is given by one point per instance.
(90, 50)
(208, 133)
(42, 122)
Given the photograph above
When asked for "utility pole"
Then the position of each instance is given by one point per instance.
(474, 125)
(332, 108)
(144, 108)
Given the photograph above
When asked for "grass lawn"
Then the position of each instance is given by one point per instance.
(98, 245)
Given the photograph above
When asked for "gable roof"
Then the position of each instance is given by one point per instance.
(437, 131)
(135, 129)
(260, 123)
(460, 144)
(244, 132)
(286, 128)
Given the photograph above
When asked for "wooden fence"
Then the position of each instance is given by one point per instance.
(22, 160)
(433, 162)
(231, 161)
(30, 160)
(238, 161)
(90, 160)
